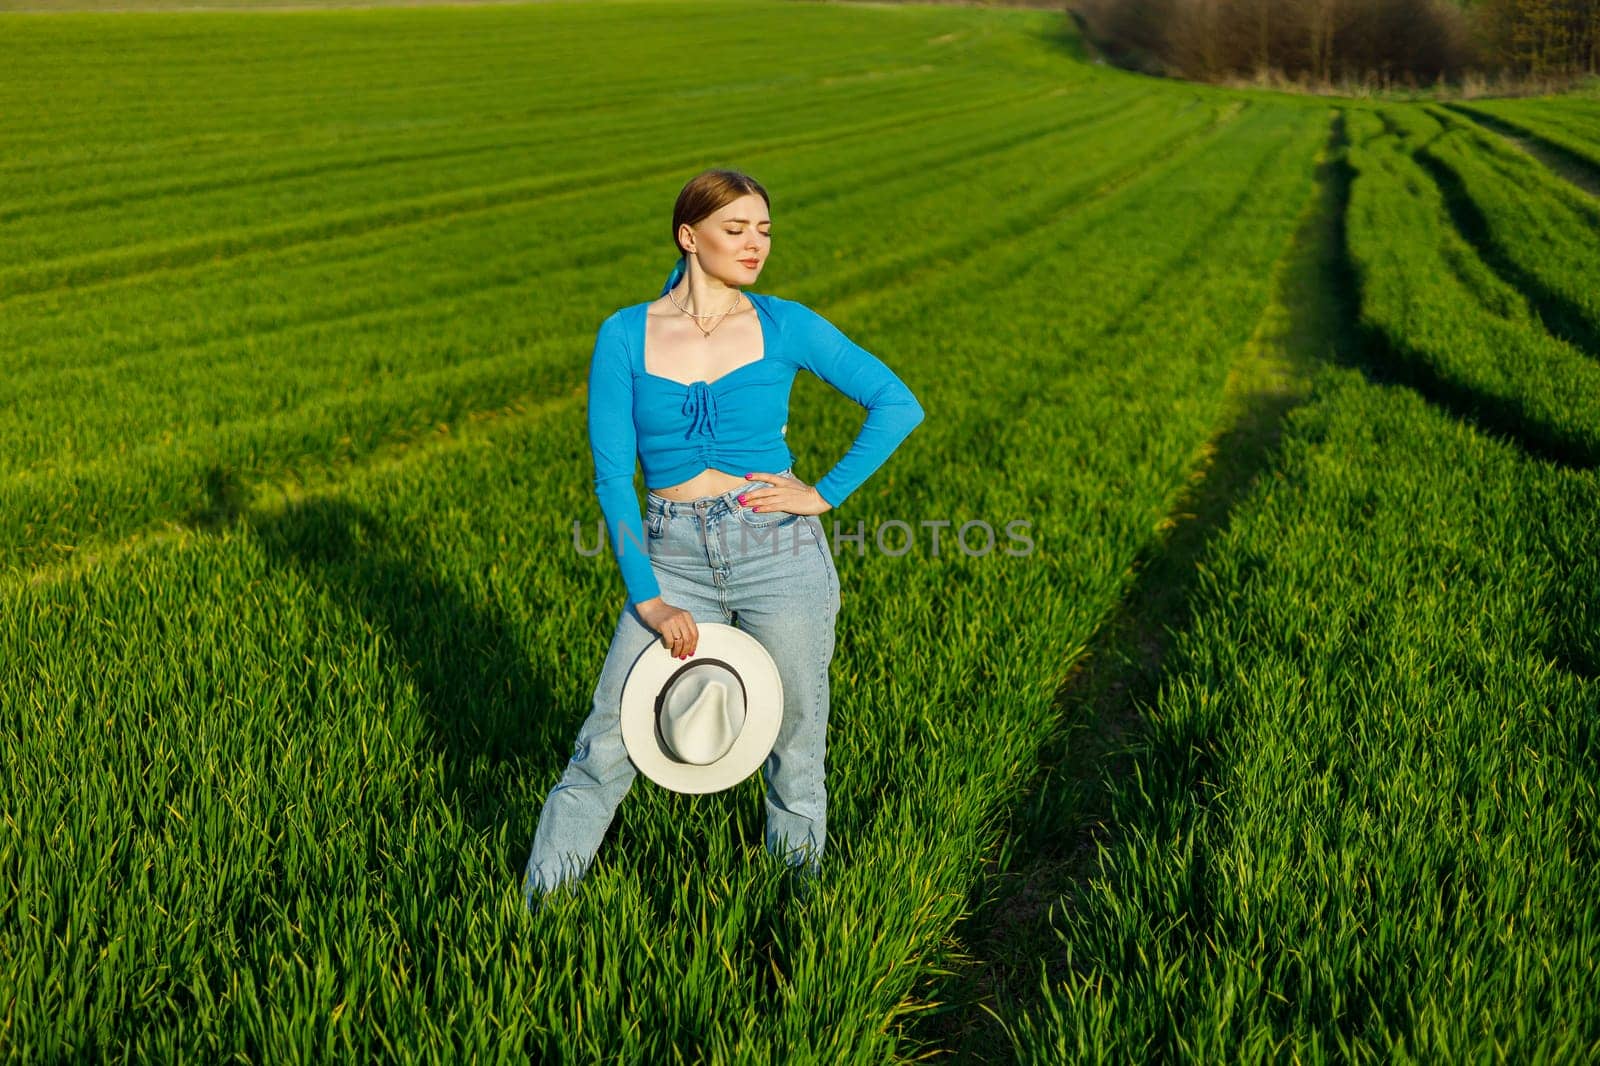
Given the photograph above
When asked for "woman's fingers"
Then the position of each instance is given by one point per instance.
(760, 496)
(786, 494)
(681, 636)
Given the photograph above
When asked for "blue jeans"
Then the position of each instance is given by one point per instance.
(769, 573)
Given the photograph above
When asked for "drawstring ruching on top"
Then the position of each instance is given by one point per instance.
(701, 407)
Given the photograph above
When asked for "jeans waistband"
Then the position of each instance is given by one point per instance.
(705, 505)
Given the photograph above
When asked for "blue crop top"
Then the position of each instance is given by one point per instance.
(735, 423)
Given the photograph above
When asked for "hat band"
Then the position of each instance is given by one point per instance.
(666, 687)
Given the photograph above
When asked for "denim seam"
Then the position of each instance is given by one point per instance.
(817, 538)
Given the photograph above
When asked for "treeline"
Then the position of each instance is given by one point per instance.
(1391, 42)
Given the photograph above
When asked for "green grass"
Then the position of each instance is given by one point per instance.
(1535, 230)
(1444, 319)
(1567, 130)
(295, 312)
(1363, 821)
(1361, 815)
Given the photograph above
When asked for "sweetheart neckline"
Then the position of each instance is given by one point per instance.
(644, 326)
(707, 384)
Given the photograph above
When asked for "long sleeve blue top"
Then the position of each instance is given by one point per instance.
(736, 422)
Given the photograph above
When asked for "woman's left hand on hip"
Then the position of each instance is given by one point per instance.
(783, 494)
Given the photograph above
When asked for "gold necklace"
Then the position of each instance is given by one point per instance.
(697, 318)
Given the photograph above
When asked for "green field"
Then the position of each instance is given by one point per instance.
(1280, 745)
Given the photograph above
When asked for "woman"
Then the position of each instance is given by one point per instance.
(695, 384)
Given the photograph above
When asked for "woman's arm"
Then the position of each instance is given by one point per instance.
(613, 442)
(892, 411)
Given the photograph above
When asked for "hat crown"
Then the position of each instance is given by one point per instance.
(702, 712)
(704, 725)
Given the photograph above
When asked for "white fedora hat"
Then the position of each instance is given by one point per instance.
(704, 723)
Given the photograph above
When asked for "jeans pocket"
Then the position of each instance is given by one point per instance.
(766, 519)
(655, 524)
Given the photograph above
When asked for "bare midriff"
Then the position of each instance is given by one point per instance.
(708, 482)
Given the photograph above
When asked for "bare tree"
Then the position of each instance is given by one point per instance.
(1406, 40)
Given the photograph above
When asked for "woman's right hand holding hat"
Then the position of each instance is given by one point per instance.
(674, 624)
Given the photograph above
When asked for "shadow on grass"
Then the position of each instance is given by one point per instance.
(1574, 168)
(490, 711)
(1073, 37)
(1054, 833)
(1387, 360)
(1070, 36)
(1560, 315)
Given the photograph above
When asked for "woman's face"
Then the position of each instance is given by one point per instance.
(734, 241)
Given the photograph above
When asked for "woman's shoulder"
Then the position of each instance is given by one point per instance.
(613, 337)
(784, 311)
(778, 305)
(627, 310)
(616, 324)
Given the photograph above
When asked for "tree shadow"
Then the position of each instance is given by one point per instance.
(1386, 360)
(1559, 314)
(1054, 833)
(1075, 39)
(490, 703)
(1575, 168)
(489, 707)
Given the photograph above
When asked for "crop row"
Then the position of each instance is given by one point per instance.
(81, 78)
(1382, 632)
(97, 244)
(1361, 824)
(380, 320)
(332, 721)
(268, 288)
(353, 125)
(1575, 115)
(132, 475)
(1578, 138)
(1446, 321)
(1539, 232)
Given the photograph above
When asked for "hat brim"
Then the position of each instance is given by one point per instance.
(763, 702)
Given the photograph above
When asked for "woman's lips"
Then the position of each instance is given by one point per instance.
(752, 263)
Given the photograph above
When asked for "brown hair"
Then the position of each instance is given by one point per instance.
(706, 192)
